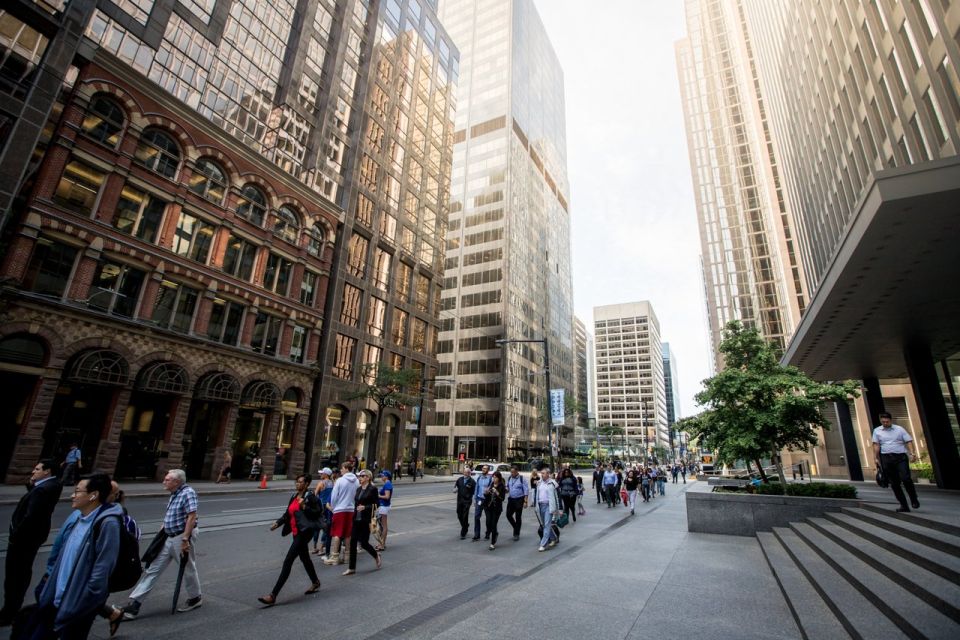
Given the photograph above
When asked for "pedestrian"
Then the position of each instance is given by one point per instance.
(581, 511)
(891, 443)
(180, 527)
(114, 615)
(76, 586)
(72, 465)
(398, 468)
(483, 481)
(365, 505)
(465, 488)
(645, 485)
(323, 491)
(300, 519)
(683, 472)
(610, 485)
(662, 481)
(619, 484)
(385, 494)
(29, 528)
(598, 482)
(420, 468)
(548, 507)
(517, 497)
(342, 502)
(568, 493)
(227, 469)
(493, 499)
(630, 483)
(256, 467)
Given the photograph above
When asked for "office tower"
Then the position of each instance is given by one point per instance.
(631, 396)
(507, 270)
(670, 384)
(581, 383)
(865, 112)
(201, 185)
(750, 265)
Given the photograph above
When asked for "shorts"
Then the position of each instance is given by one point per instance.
(383, 511)
(342, 525)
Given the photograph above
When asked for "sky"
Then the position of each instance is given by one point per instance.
(634, 226)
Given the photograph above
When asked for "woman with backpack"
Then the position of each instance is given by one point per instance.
(301, 518)
(115, 614)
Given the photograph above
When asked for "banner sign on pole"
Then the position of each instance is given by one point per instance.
(556, 407)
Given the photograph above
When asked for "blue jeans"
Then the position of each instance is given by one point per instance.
(546, 517)
(477, 516)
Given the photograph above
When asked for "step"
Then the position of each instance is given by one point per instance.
(946, 542)
(933, 560)
(917, 517)
(813, 616)
(857, 614)
(938, 592)
(916, 618)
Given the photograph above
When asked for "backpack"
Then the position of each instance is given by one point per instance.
(127, 571)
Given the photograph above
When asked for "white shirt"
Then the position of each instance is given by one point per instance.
(893, 439)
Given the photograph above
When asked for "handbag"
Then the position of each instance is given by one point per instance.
(563, 520)
(155, 547)
(881, 478)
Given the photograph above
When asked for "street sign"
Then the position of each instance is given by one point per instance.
(557, 410)
(411, 426)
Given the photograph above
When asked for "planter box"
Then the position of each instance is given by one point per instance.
(735, 514)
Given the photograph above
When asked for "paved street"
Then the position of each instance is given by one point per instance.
(612, 576)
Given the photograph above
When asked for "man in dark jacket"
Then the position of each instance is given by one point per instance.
(465, 487)
(29, 528)
(598, 483)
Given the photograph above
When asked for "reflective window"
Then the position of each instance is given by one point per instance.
(266, 334)
(345, 351)
(398, 327)
(116, 288)
(252, 205)
(308, 288)
(357, 256)
(79, 187)
(50, 267)
(208, 181)
(402, 285)
(287, 225)
(419, 335)
(226, 320)
(350, 307)
(371, 358)
(298, 344)
(376, 317)
(276, 277)
(192, 238)
(103, 121)
(381, 273)
(158, 152)
(175, 306)
(316, 240)
(139, 214)
(238, 258)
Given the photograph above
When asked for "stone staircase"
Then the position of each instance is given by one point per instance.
(869, 573)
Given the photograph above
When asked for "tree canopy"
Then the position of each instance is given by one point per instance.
(387, 387)
(756, 406)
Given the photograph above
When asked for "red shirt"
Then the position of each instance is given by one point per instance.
(292, 510)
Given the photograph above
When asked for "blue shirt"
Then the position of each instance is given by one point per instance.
(387, 486)
(517, 487)
(482, 483)
(73, 456)
(71, 551)
(609, 477)
(182, 503)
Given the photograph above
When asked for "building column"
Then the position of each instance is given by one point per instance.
(30, 441)
(873, 398)
(150, 292)
(297, 451)
(268, 441)
(224, 438)
(173, 438)
(246, 331)
(21, 248)
(202, 322)
(849, 437)
(83, 275)
(109, 448)
(941, 444)
(110, 196)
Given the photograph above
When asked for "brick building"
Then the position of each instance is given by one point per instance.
(163, 290)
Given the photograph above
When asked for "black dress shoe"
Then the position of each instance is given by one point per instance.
(475, 538)
(903, 510)
(915, 504)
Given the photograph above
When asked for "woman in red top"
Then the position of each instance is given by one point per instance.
(301, 518)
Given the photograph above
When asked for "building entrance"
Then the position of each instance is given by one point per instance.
(200, 437)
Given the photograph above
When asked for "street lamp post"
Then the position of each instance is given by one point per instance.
(546, 375)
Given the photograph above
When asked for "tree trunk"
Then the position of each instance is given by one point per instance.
(779, 463)
(763, 475)
(749, 473)
(374, 438)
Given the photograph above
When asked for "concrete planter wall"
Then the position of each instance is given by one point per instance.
(735, 514)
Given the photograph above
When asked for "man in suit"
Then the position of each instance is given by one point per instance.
(598, 483)
(29, 528)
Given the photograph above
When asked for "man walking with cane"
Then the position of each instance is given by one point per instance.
(179, 525)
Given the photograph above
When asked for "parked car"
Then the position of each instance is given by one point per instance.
(502, 467)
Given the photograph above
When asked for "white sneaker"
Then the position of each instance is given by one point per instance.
(552, 544)
(542, 549)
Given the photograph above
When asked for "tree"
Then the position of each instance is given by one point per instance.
(387, 387)
(757, 407)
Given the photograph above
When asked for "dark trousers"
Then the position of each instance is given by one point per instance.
(299, 548)
(515, 514)
(493, 517)
(360, 538)
(599, 488)
(40, 626)
(611, 491)
(570, 506)
(896, 467)
(463, 515)
(19, 573)
(477, 515)
(645, 492)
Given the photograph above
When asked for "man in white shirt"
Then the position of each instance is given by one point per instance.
(891, 443)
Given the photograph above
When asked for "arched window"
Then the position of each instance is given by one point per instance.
(261, 394)
(23, 350)
(158, 152)
(163, 377)
(209, 180)
(99, 366)
(217, 387)
(103, 121)
(287, 225)
(252, 205)
(291, 397)
(316, 239)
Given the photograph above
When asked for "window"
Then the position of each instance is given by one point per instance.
(404, 274)
(371, 359)
(398, 327)
(345, 349)
(175, 306)
(357, 256)
(252, 205)
(376, 317)
(139, 214)
(419, 337)
(78, 187)
(158, 152)
(238, 258)
(266, 334)
(208, 181)
(298, 344)
(103, 121)
(50, 267)
(423, 292)
(287, 225)
(308, 288)
(350, 308)
(381, 274)
(316, 240)
(226, 320)
(116, 288)
(276, 277)
(192, 238)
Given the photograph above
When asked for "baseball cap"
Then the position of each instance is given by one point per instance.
(326, 470)
(386, 474)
